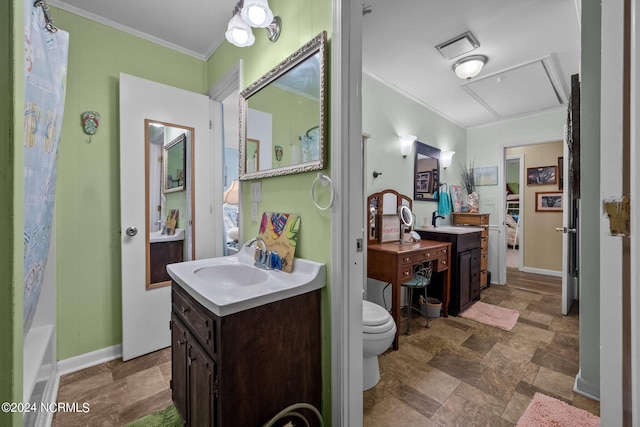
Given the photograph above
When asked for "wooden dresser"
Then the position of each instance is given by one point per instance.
(477, 220)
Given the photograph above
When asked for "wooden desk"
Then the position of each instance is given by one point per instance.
(393, 262)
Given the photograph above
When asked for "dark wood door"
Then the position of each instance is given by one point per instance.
(202, 401)
(179, 366)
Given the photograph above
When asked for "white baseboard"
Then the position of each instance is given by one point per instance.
(88, 360)
(542, 271)
(586, 388)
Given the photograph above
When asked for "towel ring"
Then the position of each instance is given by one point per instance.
(324, 180)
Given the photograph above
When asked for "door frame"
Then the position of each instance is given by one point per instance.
(502, 253)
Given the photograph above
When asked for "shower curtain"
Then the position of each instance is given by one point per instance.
(45, 74)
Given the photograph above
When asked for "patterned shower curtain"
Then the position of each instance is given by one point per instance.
(45, 73)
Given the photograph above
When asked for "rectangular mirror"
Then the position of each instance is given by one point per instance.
(173, 161)
(282, 116)
(426, 172)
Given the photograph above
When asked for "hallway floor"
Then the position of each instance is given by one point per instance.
(459, 372)
(456, 373)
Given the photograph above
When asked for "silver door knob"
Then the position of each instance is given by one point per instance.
(131, 231)
(566, 229)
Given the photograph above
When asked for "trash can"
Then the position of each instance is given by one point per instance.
(434, 306)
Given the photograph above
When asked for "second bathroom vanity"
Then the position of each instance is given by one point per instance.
(465, 262)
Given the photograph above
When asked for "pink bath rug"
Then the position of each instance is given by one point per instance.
(492, 315)
(546, 411)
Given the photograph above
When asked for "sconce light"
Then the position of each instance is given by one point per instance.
(252, 13)
(231, 194)
(470, 66)
(445, 158)
(406, 144)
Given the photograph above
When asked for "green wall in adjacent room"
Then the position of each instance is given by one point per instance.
(88, 192)
(302, 21)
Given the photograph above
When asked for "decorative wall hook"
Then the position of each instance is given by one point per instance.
(376, 174)
(90, 122)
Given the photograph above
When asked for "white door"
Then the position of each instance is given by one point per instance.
(569, 236)
(146, 313)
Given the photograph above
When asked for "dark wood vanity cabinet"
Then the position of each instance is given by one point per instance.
(161, 254)
(244, 368)
(465, 266)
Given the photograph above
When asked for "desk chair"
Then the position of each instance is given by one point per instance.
(420, 280)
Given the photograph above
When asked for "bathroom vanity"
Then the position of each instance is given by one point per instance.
(465, 262)
(245, 343)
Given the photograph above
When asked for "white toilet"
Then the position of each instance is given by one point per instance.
(378, 331)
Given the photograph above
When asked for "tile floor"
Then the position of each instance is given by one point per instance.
(462, 373)
(456, 373)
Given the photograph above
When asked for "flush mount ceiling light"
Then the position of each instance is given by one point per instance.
(470, 66)
(252, 13)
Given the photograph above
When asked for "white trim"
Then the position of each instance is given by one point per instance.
(586, 388)
(611, 133)
(635, 217)
(347, 224)
(88, 360)
(543, 271)
(50, 395)
(229, 83)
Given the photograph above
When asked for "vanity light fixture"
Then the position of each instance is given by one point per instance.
(406, 143)
(445, 158)
(252, 13)
(469, 67)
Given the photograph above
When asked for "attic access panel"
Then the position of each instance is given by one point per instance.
(521, 90)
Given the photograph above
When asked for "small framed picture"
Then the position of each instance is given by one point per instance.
(456, 197)
(542, 175)
(549, 201)
(389, 226)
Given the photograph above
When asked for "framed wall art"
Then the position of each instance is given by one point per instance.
(542, 175)
(549, 201)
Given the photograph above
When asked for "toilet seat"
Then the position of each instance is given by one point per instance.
(375, 319)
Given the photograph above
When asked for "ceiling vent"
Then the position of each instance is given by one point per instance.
(458, 45)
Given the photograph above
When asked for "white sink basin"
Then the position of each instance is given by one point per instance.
(157, 236)
(452, 229)
(231, 284)
(232, 275)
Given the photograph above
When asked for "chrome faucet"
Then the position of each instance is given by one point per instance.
(262, 255)
(434, 218)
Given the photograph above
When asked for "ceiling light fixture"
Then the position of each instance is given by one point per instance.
(252, 13)
(469, 67)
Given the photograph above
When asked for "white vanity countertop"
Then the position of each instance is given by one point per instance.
(227, 285)
(451, 229)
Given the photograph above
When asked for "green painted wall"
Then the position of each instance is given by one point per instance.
(302, 20)
(11, 192)
(387, 114)
(590, 208)
(88, 193)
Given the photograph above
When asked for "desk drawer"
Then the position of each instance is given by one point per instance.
(421, 257)
(405, 272)
(406, 259)
(441, 264)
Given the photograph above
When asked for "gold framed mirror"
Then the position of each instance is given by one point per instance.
(282, 116)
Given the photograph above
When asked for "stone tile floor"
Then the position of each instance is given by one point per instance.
(462, 373)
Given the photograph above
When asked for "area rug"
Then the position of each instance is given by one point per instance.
(546, 411)
(492, 315)
(167, 417)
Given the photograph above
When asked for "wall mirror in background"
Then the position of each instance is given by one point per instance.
(426, 172)
(283, 116)
(173, 161)
(169, 201)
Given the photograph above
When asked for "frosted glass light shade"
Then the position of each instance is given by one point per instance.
(257, 13)
(470, 66)
(445, 158)
(406, 143)
(239, 33)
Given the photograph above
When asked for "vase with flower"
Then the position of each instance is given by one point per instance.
(468, 181)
